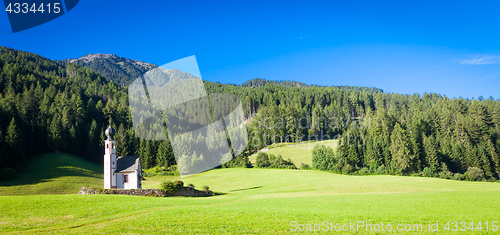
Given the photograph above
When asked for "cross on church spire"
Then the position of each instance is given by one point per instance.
(110, 132)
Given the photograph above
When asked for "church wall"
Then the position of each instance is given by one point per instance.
(132, 181)
(119, 181)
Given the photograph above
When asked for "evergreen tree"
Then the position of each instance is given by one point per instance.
(56, 138)
(2, 153)
(493, 154)
(400, 149)
(122, 141)
(431, 153)
(13, 141)
(484, 161)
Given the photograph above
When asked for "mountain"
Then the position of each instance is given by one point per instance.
(123, 71)
(118, 69)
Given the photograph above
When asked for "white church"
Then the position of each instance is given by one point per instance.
(122, 172)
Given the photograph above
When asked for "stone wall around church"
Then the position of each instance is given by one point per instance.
(179, 191)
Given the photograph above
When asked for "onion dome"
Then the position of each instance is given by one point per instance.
(110, 132)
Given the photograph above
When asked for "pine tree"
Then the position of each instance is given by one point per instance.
(342, 151)
(472, 157)
(2, 146)
(73, 141)
(353, 157)
(457, 158)
(416, 141)
(385, 143)
(147, 153)
(484, 161)
(165, 154)
(12, 137)
(122, 141)
(493, 155)
(370, 155)
(92, 134)
(13, 140)
(56, 134)
(431, 153)
(400, 149)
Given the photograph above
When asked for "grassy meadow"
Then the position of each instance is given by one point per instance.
(298, 153)
(250, 201)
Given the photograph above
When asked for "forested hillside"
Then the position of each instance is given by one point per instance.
(48, 107)
(391, 133)
(407, 134)
(385, 133)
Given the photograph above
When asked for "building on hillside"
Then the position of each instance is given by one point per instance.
(122, 172)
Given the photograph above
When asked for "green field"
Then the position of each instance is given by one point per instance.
(298, 153)
(251, 201)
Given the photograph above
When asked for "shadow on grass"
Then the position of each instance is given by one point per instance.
(44, 168)
(243, 189)
(218, 194)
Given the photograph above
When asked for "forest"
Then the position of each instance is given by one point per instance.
(46, 106)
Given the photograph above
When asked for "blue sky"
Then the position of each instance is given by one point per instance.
(451, 48)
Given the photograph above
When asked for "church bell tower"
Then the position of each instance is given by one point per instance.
(109, 159)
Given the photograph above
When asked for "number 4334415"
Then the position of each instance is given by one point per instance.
(34, 8)
(484, 226)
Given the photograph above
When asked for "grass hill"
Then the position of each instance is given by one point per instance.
(52, 173)
(298, 153)
(261, 201)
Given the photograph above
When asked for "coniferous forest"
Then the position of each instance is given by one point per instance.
(47, 107)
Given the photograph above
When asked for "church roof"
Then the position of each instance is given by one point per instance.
(127, 164)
